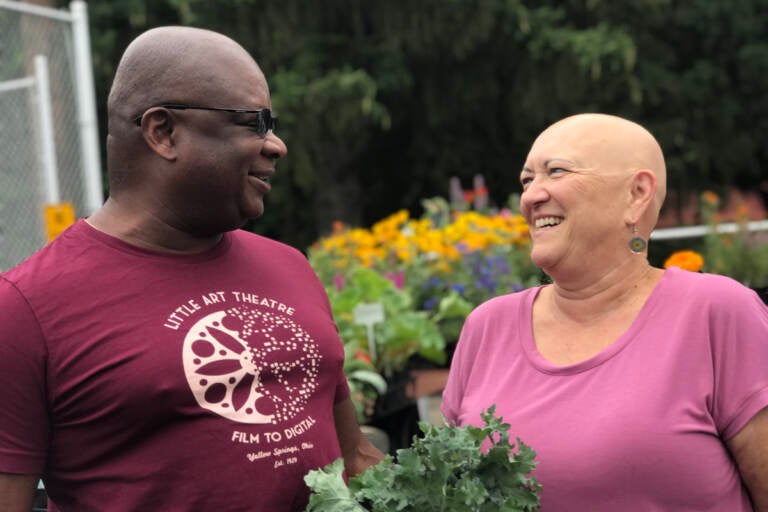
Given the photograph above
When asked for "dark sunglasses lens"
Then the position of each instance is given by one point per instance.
(266, 122)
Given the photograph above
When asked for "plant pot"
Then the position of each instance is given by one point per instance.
(378, 437)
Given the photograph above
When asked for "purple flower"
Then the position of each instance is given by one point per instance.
(397, 278)
(459, 288)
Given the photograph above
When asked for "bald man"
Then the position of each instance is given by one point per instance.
(154, 356)
(639, 388)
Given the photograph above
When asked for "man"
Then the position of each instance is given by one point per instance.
(155, 357)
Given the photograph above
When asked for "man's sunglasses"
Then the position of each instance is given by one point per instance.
(263, 123)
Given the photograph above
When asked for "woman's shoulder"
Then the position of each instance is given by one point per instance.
(711, 289)
(504, 304)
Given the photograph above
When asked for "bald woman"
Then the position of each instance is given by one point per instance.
(640, 389)
(154, 357)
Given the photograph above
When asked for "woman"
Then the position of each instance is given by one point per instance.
(640, 389)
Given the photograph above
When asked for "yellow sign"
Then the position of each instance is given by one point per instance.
(58, 217)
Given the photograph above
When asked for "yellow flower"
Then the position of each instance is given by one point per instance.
(686, 260)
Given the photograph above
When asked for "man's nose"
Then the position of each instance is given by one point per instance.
(274, 147)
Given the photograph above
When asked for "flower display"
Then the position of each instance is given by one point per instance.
(441, 265)
(686, 260)
(741, 255)
(427, 274)
(474, 254)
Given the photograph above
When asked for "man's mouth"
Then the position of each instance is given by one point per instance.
(265, 178)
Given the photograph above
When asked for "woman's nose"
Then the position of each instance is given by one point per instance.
(534, 193)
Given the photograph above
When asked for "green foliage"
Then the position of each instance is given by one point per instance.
(406, 331)
(736, 253)
(365, 383)
(443, 471)
(381, 102)
(741, 255)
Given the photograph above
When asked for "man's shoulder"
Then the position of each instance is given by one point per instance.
(263, 243)
(51, 261)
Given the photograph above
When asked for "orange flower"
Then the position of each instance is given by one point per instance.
(686, 260)
(363, 356)
(710, 198)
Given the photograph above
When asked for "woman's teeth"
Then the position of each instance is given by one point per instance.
(548, 221)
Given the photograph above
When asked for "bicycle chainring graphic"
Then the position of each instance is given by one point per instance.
(251, 365)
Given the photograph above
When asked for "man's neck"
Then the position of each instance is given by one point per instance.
(139, 227)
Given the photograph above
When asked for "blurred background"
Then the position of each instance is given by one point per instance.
(381, 103)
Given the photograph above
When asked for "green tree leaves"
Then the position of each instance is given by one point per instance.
(381, 103)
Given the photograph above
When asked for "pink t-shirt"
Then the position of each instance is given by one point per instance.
(140, 381)
(640, 425)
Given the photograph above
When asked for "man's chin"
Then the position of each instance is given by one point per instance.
(249, 218)
(253, 216)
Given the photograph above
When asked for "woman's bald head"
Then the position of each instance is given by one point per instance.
(612, 145)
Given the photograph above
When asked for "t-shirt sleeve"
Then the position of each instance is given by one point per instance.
(342, 389)
(24, 422)
(450, 406)
(739, 327)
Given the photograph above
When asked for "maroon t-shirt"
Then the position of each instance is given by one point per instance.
(135, 380)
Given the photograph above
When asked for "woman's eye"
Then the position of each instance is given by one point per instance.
(556, 170)
(525, 181)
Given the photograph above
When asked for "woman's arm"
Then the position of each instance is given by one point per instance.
(750, 449)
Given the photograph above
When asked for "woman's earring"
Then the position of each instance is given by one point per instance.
(638, 244)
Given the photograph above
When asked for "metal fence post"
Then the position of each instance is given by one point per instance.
(89, 140)
(45, 129)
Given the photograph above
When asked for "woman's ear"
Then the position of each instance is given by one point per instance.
(157, 126)
(642, 194)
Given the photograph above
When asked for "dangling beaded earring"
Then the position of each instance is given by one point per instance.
(637, 244)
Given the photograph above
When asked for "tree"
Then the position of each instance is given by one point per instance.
(381, 102)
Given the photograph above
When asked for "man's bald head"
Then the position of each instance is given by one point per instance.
(617, 146)
(178, 65)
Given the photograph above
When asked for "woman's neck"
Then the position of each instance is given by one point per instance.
(587, 299)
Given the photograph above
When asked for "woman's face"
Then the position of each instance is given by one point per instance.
(574, 199)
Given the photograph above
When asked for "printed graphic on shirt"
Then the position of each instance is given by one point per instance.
(250, 364)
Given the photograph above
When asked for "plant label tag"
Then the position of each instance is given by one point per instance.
(368, 313)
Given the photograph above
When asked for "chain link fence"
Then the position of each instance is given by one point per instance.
(25, 188)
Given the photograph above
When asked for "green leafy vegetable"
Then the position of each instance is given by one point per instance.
(443, 471)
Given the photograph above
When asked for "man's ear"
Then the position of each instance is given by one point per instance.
(642, 193)
(158, 129)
